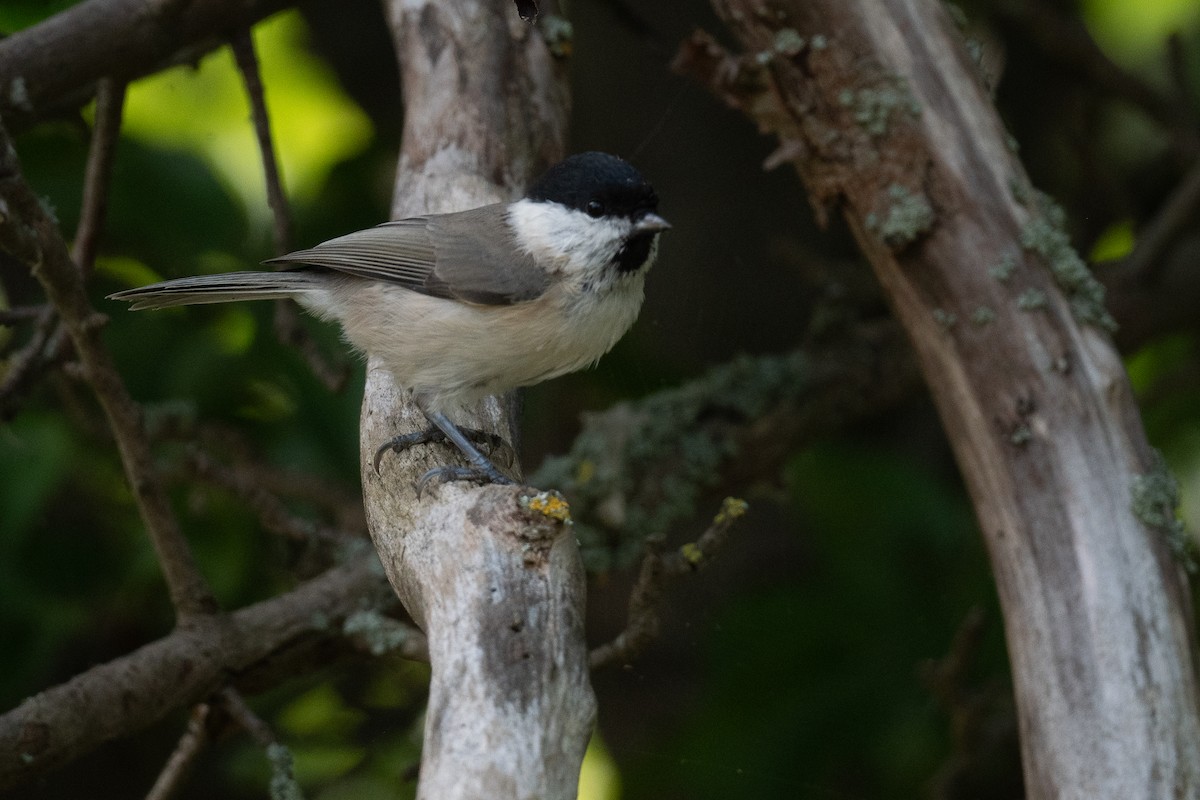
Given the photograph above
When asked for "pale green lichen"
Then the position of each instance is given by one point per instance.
(283, 784)
(381, 634)
(1155, 498)
(1003, 269)
(975, 51)
(908, 216)
(637, 469)
(944, 318)
(1021, 435)
(48, 208)
(558, 34)
(1032, 299)
(1046, 236)
(957, 15)
(788, 41)
(1022, 192)
(982, 316)
(18, 94)
(874, 106)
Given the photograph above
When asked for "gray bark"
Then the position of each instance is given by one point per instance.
(498, 588)
(878, 106)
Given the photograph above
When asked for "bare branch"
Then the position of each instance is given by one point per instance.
(495, 584)
(13, 316)
(24, 365)
(657, 571)
(288, 327)
(31, 236)
(256, 646)
(54, 66)
(1180, 213)
(1065, 40)
(272, 513)
(179, 764)
(97, 175)
(242, 45)
(235, 705)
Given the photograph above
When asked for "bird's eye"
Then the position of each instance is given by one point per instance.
(595, 208)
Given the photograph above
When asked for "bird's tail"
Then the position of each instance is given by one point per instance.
(222, 288)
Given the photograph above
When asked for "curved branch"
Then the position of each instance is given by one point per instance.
(54, 66)
(497, 587)
(254, 645)
(885, 120)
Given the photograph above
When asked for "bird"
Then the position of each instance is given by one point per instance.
(461, 305)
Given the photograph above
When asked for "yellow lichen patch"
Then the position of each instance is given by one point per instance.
(692, 553)
(549, 504)
(731, 509)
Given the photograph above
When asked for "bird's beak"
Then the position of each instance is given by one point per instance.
(651, 223)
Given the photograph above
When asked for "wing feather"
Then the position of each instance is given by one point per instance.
(469, 256)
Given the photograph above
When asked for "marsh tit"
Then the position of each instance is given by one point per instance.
(463, 305)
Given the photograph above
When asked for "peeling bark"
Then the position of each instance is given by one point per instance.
(878, 107)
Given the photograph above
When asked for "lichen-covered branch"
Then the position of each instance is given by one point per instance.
(878, 106)
(640, 467)
(657, 570)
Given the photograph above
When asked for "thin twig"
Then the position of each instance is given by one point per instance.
(344, 505)
(242, 44)
(271, 511)
(1181, 77)
(241, 713)
(179, 764)
(33, 238)
(1180, 213)
(1067, 41)
(24, 364)
(657, 570)
(288, 328)
(18, 314)
(283, 779)
(110, 100)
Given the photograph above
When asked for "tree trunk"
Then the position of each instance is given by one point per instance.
(878, 106)
(496, 584)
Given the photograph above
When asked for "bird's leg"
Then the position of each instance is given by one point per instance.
(481, 469)
(493, 442)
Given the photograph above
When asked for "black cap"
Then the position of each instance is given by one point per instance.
(598, 184)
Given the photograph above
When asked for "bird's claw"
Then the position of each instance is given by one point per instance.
(447, 474)
(398, 444)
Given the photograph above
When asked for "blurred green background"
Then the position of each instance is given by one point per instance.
(803, 662)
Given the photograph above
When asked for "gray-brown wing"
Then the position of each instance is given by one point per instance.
(466, 256)
(478, 260)
(397, 252)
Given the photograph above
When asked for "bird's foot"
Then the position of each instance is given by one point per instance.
(400, 443)
(447, 474)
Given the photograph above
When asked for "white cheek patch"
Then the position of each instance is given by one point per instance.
(564, 237)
